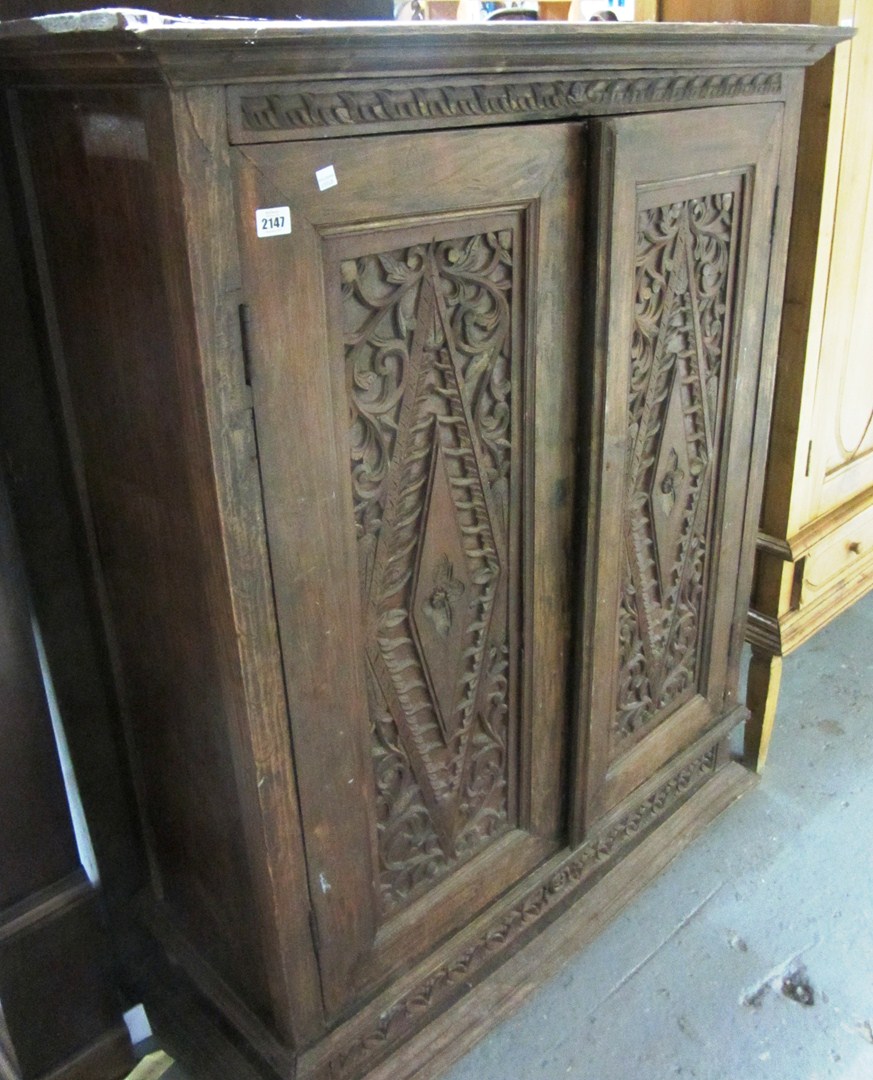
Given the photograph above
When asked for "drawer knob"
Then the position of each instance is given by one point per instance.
(855, 547)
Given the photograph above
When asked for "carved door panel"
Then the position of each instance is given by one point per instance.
(686, 205)
(403, 370)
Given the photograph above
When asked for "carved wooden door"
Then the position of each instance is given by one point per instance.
(408, 370)
(685, 210)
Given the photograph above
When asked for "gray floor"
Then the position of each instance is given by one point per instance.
(695, 979)
(688, 981)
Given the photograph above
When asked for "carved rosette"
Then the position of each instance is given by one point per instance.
(428, 352)
(685, 259)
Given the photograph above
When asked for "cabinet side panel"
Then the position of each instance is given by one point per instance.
(262, 744)
(133, 400)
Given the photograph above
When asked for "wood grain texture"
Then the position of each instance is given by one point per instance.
(415, 346)
(53, 546)
(428, 1055)
(385, 1023)
(762, 693)
(209, 1052)
(151, 498)
(300, 111)
(56, 987)
(818, 465)
(667, 516)
(186, 55)
(370, 495)
(262, 751)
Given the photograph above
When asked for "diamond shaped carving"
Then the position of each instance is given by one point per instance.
(428, 334)
(685, 262)
(675, 484)
(448, 584)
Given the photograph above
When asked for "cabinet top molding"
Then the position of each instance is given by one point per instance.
(123, 45)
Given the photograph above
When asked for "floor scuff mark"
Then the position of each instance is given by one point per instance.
(677, 929)
(789, 979)
(864, 1029)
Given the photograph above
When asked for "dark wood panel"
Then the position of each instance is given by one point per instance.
(582, 68)
(56, 982)
(268, 787)
(683, 349)
(54, 554)
(37, 846)
(152, 501)
(407, 348)
(59, 999)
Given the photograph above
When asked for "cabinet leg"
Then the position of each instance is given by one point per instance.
(762, 694)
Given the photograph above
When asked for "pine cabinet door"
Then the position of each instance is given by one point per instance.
(840, 447)
(684, 213)
(412, 372)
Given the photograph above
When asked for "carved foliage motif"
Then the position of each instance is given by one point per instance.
(428, 351)
(567, 880)
(341, 106)
(684, 267)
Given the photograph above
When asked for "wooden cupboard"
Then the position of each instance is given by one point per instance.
(814, 554)
(420, 418)
(814, 551)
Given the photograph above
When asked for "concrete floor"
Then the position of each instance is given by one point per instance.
(694, 979)
(688, 981)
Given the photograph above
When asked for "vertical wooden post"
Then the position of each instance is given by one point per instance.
(762, 694)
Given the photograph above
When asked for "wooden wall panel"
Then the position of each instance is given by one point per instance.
(763, 11)
(55, 987)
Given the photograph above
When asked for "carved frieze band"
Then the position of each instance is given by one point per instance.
(339, 106)
(441, 985)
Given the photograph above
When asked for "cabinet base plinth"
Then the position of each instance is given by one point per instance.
(382, 1044)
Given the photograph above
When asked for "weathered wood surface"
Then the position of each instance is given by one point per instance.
(376, 500)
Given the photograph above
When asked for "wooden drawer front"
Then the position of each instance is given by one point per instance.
(837, 556)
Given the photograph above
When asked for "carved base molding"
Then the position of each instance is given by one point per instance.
(496, 935)
(427, 1020)
(377, 1029)
(458, 1029)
